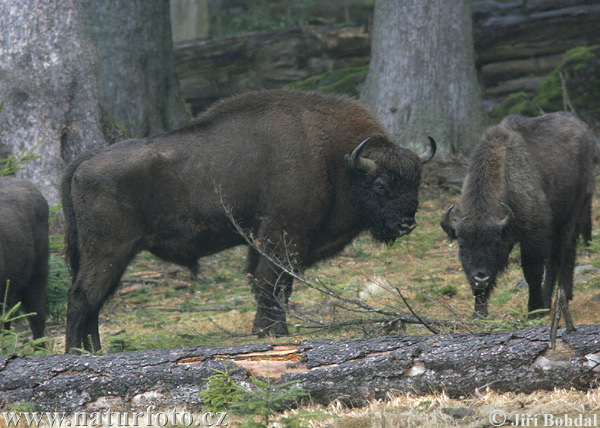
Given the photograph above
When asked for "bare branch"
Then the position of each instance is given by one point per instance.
(567, 106)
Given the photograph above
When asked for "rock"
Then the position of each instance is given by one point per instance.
(521, 284)
(584, 273)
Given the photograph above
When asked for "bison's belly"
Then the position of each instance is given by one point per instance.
(185, 245)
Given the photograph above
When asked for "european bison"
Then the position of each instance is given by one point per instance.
(530, 181)
(24, 249)
(290, 165)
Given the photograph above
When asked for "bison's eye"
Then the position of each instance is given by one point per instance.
(380, 186)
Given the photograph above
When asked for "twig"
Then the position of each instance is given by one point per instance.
(458, 317)
(430, 328)
(567, 106)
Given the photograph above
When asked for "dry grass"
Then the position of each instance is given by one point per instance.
(485, 410)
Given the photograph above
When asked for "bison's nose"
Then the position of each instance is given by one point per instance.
(403, 227)
(481, 280)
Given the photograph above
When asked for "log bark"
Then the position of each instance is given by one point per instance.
(353, 371)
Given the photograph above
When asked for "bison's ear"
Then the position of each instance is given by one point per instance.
(448, 224)
(357, 161)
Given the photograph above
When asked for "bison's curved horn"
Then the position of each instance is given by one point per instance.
(448, 224)
(430, 152)
(508, 218)
(367, 165)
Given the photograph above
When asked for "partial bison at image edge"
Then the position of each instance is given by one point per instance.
(24, 250)
(303, 172)
(530, 181)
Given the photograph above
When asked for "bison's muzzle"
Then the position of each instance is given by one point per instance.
(402, 228)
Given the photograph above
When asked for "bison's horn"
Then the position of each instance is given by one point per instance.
(448, 224)
(367, 165)
(430, 152)
(508, 218)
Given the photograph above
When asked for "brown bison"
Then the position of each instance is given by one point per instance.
(285, 163)
(530, 181)
(24, 249)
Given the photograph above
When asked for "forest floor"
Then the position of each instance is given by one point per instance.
(160, 305)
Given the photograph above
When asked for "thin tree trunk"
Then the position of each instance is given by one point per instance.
(353, 371)
(422, 78)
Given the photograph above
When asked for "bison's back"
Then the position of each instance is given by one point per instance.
(561, 148)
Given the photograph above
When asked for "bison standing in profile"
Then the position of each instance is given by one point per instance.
(530, 181)
(24, 249)
(290, 166)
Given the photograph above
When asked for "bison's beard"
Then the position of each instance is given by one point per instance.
(383, 234)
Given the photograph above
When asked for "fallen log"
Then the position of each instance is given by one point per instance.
(353, 371)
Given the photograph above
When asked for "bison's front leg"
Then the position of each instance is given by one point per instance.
(532, 262)
(272, 289)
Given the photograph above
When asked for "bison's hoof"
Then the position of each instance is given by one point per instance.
(537, 313)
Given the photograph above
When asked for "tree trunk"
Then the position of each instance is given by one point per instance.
(48, 86)
(353, 371)
(422, 78)
(137, 82)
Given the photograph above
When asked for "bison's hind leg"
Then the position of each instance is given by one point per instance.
(35, 303)
(97, 279)
(33, 296)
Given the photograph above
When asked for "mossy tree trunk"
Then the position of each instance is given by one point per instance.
(48, 86)
(422, 78)
(137, 83)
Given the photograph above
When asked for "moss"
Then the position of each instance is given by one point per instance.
(518, 103)
(580, 69)
(343, 81)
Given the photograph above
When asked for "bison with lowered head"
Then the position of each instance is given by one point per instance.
(318, 169)
(530, 181)
(24, 249)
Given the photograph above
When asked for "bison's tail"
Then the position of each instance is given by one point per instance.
(71, 235)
